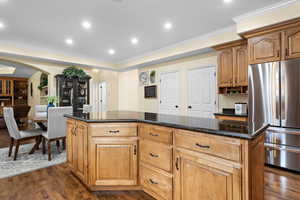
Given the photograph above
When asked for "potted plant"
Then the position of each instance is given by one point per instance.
(51, 101)
(73, 71)
(152, 76)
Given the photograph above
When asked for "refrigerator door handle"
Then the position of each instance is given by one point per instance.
(283, 92)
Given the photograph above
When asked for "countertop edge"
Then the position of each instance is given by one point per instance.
(202, 130)
(231, 115)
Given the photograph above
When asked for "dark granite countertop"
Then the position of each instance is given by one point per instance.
(231, 114)
(206, 125)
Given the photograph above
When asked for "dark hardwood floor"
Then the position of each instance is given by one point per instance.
(57, 183)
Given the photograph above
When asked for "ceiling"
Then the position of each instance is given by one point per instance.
(21, 70)
(44, 25)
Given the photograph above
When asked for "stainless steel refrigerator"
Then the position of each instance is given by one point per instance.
(274, 98)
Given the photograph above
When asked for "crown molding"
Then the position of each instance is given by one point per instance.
(276, 6)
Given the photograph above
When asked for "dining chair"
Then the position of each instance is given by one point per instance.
(87, 108)
(17, 136)
(56, 128)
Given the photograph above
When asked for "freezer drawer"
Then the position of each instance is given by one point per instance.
(283, 137)
(283, 156)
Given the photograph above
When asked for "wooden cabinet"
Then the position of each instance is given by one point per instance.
(200, 177)
(265, 48)
(291, 48)
(240, 66)
(77, 148)
(225, 69)
(232, 67)
(234, 118)
(173, 163)
(6, 87)
(113, 161)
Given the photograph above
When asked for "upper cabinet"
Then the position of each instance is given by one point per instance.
(265, 48)
(240, 66)
(225, 70)
(292, 43)
(232, 67)
(274, 43)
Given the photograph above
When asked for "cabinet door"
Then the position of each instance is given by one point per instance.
(292, 43)
(113, 161)
(197, 178)
(266, 48)
(70, 141)
(79, 149)
(240, 66)
(225, 67)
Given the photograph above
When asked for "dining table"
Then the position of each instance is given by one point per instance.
(40, 121)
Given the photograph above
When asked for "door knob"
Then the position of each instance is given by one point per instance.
(189, 107)
(176, 106)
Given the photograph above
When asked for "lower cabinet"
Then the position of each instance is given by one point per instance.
(198, 178)
(156, 183)
(113, 161)
(77, 148)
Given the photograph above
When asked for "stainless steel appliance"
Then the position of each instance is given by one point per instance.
(240, 108)
(274, 98)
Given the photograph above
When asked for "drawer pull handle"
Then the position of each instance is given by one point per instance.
(154, 135)
(202, 146)
(153, 155)
(177, 163)
(153, 182)
(116, 131)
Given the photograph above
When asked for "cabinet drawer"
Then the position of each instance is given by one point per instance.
(156, 154)
(154, 182)
(113, 130)
(223, 147)
(156, 133)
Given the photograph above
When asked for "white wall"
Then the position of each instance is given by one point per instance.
(129, 89)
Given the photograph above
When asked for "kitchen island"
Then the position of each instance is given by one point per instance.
(167, 156)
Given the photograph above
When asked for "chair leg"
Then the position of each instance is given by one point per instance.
(44, 145)
(37, 143)
(58, 146)
(49, 150)
(64, 143)
(11, 146)
(16, 149)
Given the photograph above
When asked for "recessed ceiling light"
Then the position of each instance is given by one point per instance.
(69, 41)
(2, 26)
(168, 25)
(86, 24)
(134, 40)
(111, 51)
(227, 1)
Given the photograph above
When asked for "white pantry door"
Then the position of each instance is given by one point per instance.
(169, 93)
(102, 97)
(202, 92)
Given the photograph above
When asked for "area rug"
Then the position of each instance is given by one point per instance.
(25, 162)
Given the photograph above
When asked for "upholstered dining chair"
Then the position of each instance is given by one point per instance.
(17, 136)
(56, 128)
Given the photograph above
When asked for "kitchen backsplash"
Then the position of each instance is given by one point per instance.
(228, 101)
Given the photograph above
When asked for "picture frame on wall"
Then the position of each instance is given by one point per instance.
(144, 78)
